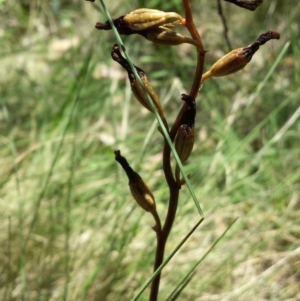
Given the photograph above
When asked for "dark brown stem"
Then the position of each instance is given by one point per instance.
(162, 239)
(173, 186)
(157, 226)
(200, 51)
(173, 203)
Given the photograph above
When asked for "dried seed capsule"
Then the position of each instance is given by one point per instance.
(144, 18)
(184, 142)
(139, 189)
(138, 92)
(232, 62)
(185, 138)
(135, 85)
(251, 5)
(238, 58)
(166, 36)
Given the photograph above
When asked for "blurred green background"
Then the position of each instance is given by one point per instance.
(69, 227)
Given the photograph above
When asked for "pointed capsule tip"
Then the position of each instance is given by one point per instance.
(117, 152)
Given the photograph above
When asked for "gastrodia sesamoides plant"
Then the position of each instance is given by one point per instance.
(161, 28)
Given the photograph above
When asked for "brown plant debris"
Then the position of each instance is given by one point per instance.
(250, 5)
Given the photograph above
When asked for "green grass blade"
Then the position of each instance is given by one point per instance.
(74, 93)
(186, 279)
(271, 71)
(145, 285)
(22, 261)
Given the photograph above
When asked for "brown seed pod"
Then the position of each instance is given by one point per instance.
(140, 95)
(232, 62)
(139, 189)
(238, 58)
(144, 18)
(166, 36)
(184, 142)
(136, 88)
(185, 138)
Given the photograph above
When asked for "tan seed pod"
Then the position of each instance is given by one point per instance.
(139, 189)
(145, 18)
(142, 194)
(166, 36)
(140, 95)
(136, 88)
(238, 58)
(232, 62)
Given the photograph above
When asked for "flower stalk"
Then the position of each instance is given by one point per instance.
(155, 26)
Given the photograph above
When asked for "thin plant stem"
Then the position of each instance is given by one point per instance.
(174, 187)
(225, 27)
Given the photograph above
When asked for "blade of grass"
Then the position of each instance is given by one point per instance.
(22, 261)
(260, 125)
(271, 71)
(74, 92)
(145, 285)
(175, 85)
(280, 265)
(186, 279)
(68, 207)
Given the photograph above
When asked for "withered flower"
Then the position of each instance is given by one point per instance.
(185, 138)
(238, 58)
(135, 85)
(120, 25)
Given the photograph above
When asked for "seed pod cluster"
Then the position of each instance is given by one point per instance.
(139, 189)
(185, 138)
(238, 58)
(151, 24)
(136, 88)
